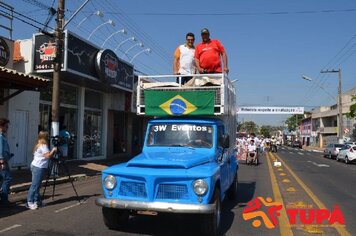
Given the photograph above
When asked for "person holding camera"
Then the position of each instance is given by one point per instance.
(5, 156)
(39, 165)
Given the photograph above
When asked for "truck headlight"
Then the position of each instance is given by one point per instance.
(109, 182)
(200, 187)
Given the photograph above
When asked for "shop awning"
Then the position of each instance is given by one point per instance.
(12, 79)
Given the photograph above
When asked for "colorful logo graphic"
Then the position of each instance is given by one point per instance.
(253, 210)
(178, 106)
(47, 51)
(267, 211)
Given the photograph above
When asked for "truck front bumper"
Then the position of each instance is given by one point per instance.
(156, 206)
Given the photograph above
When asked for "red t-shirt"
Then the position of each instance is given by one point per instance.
(208, 55)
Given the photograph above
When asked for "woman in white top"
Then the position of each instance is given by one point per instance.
(39, 165)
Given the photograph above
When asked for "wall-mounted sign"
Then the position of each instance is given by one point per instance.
(270, 110)
(4, 52)
(84, 59)
(44, 53)
(114, 71)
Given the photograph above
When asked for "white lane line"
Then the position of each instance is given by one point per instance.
(68, 207)
(300, 153)
(9, 228)
(291, 152)
(318, 165)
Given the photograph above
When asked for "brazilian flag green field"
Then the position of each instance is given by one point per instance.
(179, 103)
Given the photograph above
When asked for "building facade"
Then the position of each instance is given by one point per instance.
(96, 104)
(325, 122)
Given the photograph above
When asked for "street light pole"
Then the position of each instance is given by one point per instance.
(57, 68)
(339, 105)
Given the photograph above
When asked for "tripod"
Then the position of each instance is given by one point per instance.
(57, 163)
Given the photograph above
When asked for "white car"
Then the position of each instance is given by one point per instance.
(347, 153)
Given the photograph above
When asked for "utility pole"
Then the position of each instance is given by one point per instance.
(57, 68)
(339, 105)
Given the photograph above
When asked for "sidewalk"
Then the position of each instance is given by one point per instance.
(78, 169)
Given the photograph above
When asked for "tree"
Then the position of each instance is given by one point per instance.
(293, 121)
(266, 130)
(352, 113)
(249, 127)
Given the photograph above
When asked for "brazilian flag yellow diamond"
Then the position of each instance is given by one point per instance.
(177, 106)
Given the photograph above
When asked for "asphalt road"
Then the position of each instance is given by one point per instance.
(65, 216)
(331, 182)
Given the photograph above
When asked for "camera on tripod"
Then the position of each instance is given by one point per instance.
(60, 141)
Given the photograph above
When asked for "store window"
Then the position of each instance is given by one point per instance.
(68, 114)
(92, 140)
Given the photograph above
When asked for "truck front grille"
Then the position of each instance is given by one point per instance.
(172, 191)
(132, 189)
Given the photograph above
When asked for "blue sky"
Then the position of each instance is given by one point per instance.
(270, 44)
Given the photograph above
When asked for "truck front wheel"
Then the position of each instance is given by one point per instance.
(211, 222)
(114, 218)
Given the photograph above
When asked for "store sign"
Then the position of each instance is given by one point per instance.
(112, 70)
(270, 110)
(84, 59)
(80, 56)
(44, 53)
(4, 52)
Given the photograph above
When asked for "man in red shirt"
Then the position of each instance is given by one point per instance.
(208, 55)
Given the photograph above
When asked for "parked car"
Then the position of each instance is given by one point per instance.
(297, 143)
(347, 153)
(332, 149)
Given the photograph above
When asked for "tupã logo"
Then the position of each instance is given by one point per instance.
(47, 51)
(269, 218)
(178, 106)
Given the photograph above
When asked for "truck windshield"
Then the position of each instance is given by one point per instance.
(181, 135)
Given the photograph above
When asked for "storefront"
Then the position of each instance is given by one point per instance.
(16, 92)
(96, 104)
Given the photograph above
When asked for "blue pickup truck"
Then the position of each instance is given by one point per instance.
(188, 165)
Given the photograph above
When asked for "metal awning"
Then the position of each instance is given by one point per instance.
(12, 79)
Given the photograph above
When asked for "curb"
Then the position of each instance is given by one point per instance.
(25, 186)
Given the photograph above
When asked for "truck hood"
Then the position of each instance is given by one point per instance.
(184, 160)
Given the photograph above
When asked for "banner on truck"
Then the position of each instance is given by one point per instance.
(179, 103)
(270, 110)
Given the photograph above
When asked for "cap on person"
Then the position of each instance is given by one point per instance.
(205, 31)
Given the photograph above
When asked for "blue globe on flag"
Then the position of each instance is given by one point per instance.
(178, 106)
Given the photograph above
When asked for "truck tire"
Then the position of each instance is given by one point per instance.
(212, 222)
(233, 189)
(114, 218)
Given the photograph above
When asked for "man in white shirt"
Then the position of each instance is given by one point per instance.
(183, 63)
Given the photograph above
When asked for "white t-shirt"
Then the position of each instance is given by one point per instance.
(186, 59)
(38, 159)
(251, 148)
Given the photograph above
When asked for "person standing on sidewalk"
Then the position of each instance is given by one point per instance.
(39, 165)
(5, 156)
(208, 54)
(183, 62)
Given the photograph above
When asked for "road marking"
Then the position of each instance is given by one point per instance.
(291, 152)
(9, 228)
(68, 207)
(300, 153)
(341, 229)
(284, 226)
(318, 165)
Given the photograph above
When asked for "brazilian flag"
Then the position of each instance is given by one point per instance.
(179, 103)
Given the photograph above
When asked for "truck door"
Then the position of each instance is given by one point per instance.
(223, 161)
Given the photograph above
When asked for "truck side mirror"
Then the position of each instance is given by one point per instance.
(225, 141)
